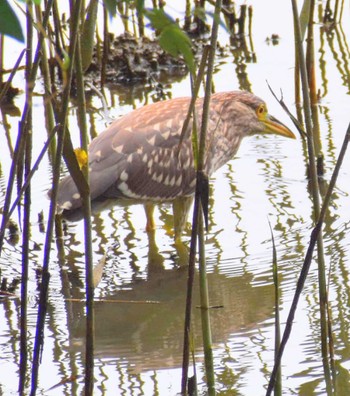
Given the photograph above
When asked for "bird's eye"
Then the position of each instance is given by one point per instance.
(261, 110)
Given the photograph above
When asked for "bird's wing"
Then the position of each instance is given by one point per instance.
(137, 157)
(149, 166)
(104, 164)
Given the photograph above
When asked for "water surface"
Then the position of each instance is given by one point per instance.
(139, 342)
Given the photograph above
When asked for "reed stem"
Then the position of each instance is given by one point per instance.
(86, 204)
(316, 236)
(26, 128)
(201, 199)
(39, 336)
(316, 144)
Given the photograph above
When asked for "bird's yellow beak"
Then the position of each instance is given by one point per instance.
(272, 125)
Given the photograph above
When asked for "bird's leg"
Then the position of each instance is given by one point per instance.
(149, 209)
(181, 207)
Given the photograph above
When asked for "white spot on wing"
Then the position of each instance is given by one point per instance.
(187, 164)
(124, 176)
(76, 196)
(157, 127)
(118, 149)
(124, 188)
(66, 205)
(152, 140)
(167, 162)
(158, 178)
(166, 134)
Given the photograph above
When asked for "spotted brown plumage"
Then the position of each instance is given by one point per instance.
(136, 159)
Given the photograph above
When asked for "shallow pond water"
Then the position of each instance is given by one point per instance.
(138, 347)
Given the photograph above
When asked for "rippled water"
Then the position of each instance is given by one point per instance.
(139, 345)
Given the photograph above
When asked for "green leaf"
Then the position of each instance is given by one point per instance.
(176, 42)
(87, 36)
(66, 61)
(171, 38)
(9, 23)
(304, 17)
(111, 6)
(159, 19)
(140, 6)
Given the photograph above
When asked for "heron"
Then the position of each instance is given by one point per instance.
(139, 158)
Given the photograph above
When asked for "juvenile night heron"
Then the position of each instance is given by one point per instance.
(136, 159)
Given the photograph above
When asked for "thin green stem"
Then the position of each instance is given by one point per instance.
(202, 180)
(317, 216)
(26, 127)
(39, 336)
(89, 289)
(307, 261)
(205, 310)
(278, 385)
(20, 143)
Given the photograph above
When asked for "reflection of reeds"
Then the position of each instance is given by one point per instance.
(21, 168)
(56, 111)
(200, 213)
(309, 89)
(61, 117)
(204, 199)
(278, 382)
(306, 70)
(81, 63)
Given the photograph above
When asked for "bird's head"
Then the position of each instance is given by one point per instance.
(256, 119)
